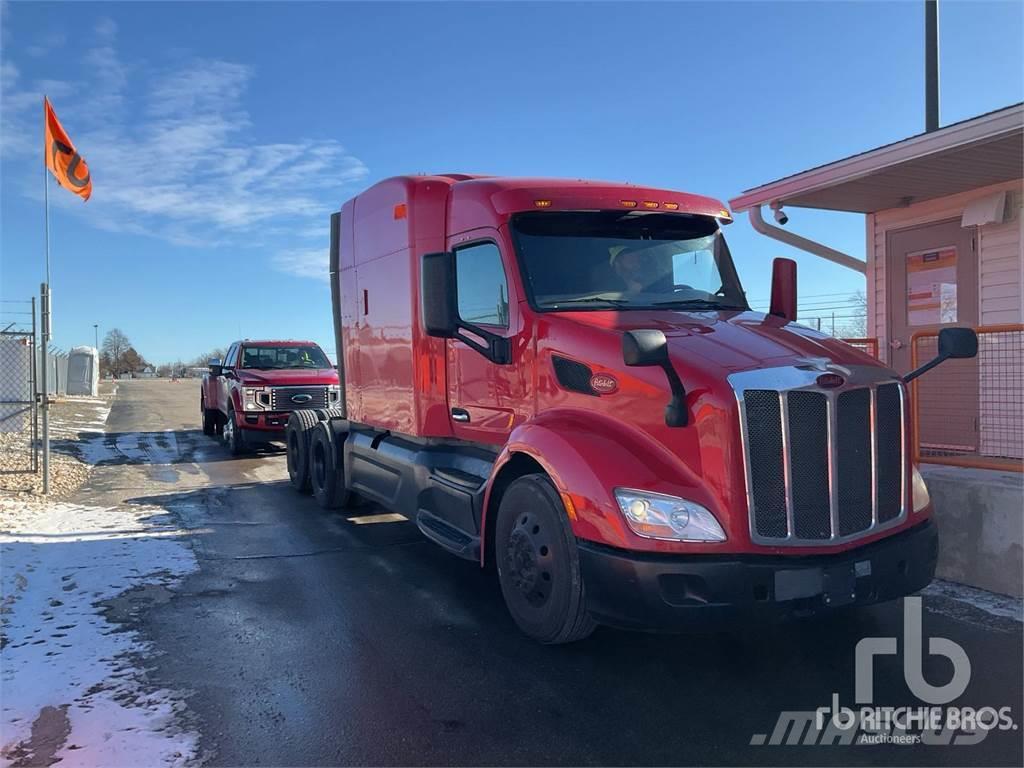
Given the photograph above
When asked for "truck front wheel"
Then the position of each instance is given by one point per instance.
(233, 437)
(538, 563)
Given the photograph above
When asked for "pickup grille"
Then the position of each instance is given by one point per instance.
(823, 465)
(296, 398)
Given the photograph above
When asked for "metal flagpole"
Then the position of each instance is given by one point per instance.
(45, 316)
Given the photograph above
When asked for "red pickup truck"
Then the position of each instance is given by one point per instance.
(247, 397)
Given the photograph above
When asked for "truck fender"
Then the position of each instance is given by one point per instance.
(587, 456)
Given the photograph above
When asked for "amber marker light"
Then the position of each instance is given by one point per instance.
(627, 203)
(401, 211)
(542, 203)
(650, 204)
(671, 206)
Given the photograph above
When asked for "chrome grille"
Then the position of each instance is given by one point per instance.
(823, 466)
(285, 398)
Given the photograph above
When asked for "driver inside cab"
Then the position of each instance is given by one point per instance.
(642, 270)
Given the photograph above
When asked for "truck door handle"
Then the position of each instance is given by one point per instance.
(460, 414)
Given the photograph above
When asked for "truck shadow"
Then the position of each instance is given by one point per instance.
(314, 590)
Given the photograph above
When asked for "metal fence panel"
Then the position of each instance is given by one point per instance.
(971, 412)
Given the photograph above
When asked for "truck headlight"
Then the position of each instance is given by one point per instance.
(250, 398)
(333, 392)
(920, 491)
(657, 516)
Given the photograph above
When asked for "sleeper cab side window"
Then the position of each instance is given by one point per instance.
(481, 285)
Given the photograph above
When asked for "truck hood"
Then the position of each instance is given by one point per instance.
(281, 378)
(734, 341)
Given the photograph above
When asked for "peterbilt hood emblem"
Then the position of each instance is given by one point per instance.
(301, 398)
(822, 364)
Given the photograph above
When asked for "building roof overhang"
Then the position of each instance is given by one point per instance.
(984, 150)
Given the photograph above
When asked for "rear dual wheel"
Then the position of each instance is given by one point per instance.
(209, 418)
(326, 468)
(538, 563)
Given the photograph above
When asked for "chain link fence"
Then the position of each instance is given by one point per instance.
(19, 410)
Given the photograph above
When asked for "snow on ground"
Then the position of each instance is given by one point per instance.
(87, 418)
(73, 683)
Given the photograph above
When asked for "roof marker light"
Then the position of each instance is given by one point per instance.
(671, 206)
(542, 203)
(650, 204)
(724, 214)
(628, 203)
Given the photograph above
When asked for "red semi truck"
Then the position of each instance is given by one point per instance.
(564, 378)
(247, 397)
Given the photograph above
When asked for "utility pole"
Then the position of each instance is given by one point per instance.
(96, 334)
(931, 65)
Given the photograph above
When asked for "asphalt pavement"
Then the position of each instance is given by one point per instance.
(310, 637)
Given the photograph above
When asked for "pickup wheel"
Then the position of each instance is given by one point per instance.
(326, 473)
(538, 563)
(233, 437)
(297, 434)
(209, 418)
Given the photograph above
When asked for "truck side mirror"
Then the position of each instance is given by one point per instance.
(649, 347)
(437, 293)
(215, 366)
(439, 296)
(953, 343)
(783, 289)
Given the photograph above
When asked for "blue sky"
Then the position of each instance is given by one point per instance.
(220, 136)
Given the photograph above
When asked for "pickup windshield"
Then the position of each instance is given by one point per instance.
(269, 358)
(625, 260)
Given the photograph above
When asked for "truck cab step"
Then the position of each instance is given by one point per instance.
(456, 541)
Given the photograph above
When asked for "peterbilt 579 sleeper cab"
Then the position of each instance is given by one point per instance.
(564, 379)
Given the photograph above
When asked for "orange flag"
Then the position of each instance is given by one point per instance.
(63, 160)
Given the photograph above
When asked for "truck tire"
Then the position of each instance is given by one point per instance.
(297, 434)
(326, 473)
(234, 439)
(209, 418)
(538, 563)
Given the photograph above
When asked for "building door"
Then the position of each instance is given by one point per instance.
(932, 274)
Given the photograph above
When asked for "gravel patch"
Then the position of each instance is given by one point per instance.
(73, 420)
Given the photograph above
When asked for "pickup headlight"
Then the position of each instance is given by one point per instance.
(333, 393)
(920, 491)
(250, 398)
(657, 516)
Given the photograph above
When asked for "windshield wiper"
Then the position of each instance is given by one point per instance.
(590, 300)
(706, 303)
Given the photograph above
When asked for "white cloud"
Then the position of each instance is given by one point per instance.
(172, 155)
(311, 262)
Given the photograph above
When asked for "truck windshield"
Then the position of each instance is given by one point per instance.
(267, 358)
(625, 260)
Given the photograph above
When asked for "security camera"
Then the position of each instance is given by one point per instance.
(780, 215)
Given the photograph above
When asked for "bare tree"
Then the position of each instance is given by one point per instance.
(115, 345)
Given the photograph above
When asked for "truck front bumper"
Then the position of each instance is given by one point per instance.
(653, 591)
